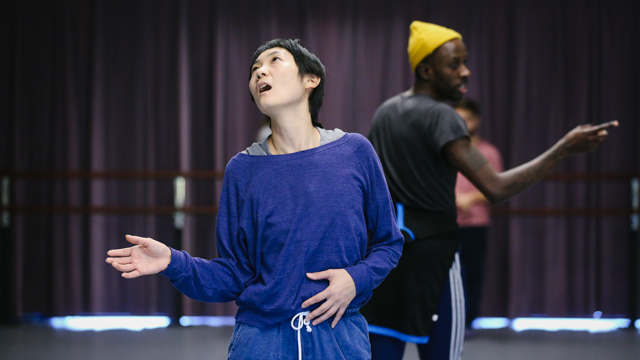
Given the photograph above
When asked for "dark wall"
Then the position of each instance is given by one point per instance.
(162, 85)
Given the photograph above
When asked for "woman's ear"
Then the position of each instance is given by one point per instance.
(311, 81)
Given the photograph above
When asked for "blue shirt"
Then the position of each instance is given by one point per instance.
(283, 216)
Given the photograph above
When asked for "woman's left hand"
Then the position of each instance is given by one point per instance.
(337, 296)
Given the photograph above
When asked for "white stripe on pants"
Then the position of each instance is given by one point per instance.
(457, 309)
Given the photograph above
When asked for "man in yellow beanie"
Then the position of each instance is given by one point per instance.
(422, 143)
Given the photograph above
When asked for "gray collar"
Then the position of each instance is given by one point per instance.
(326, 136)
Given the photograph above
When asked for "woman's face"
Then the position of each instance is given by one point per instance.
(275, 83)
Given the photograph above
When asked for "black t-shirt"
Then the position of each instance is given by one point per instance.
(408, 133)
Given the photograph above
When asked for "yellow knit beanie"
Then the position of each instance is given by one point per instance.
(425, 38)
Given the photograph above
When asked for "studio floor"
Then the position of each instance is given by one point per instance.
(26, 342)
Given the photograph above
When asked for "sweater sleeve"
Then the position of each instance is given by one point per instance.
(224, 278)
(385, 241)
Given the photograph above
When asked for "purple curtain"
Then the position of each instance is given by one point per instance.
(162, 86)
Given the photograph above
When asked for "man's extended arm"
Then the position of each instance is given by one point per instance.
(498, 187)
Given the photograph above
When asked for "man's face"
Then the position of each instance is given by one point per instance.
(275, 83)
(448, 72)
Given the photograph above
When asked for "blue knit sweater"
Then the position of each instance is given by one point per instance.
(283, 216)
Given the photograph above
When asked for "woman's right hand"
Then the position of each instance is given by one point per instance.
(147, 257)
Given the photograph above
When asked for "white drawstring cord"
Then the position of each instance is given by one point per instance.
(302, 321)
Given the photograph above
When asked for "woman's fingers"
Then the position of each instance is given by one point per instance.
(131, 275)
(123, 267)
(120, 252)
(327, 314)
(338, 317)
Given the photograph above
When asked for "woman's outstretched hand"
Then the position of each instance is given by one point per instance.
(147, 257)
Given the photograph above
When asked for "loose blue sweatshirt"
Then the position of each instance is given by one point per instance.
(281, 217)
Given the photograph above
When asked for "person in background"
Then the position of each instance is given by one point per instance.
(474, 215)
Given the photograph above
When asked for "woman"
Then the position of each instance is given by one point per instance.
(305, 226)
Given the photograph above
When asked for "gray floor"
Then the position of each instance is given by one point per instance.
(26, 342)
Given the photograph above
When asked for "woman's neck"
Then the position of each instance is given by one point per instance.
(292, 134)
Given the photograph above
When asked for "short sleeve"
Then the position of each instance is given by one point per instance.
(444, 125)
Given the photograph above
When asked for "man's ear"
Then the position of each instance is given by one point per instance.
(311, 81)
(425, 71)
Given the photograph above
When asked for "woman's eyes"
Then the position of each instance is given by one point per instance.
(272, 60)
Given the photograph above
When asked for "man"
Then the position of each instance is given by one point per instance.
(473, 215)
(422, 144)
(299, 255)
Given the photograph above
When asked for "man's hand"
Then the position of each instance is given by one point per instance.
(337, 296)
(146, 258)
(498, 187)
(585, 138)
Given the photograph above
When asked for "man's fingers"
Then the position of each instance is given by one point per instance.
(599, 136)
(605, 126)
